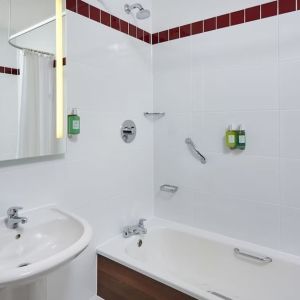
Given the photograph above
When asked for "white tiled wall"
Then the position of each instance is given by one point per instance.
(247, 74)
(8, 98)
(104, 180)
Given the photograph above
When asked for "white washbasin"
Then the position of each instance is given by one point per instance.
(51, 238)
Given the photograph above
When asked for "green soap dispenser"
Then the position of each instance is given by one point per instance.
(73, 123)
(241, 140)
(231, 138)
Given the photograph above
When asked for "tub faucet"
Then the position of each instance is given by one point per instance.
(140, 228)
(12, 221)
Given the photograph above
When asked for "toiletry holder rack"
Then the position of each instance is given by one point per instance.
(169, 188)
(154, 114)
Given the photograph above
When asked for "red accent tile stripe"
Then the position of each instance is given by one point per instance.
(64, 62)
(248, 14)
(10, 71)
(103, 17)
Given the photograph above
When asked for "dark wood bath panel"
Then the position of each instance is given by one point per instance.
(117, 282)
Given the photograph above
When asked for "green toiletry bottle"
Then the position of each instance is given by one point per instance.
(73, 123)
(231, 138)
(241, 141)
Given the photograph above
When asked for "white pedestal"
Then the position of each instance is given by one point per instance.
(36, 290)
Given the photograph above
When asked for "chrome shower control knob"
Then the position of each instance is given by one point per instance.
(128, 131)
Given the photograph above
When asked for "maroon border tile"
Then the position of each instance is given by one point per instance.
(95, 13)
(163, 36)
(252, 13)
(197, 27)
(105, 18)
(185, 30)
(298, 4)
(147, 37)
(83, 8)
(286, 6)
(132, 30)
(237, 17)
(140, 34)
(223, 21)
(210, 24)
(155, 38)
(124, 26)
(7, 70)
(114, 22)
(174, 33)
(269, 9)
(71, 5)
(2, 69)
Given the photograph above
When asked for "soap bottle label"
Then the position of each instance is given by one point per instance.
(231, 138)
(242, 139)
(76, 124)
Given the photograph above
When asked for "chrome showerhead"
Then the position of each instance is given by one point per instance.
(142, 14)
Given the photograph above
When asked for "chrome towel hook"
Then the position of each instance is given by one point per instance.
(195, 152)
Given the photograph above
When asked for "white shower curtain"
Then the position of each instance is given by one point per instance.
(36, 134)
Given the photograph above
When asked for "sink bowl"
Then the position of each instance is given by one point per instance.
(50, 239)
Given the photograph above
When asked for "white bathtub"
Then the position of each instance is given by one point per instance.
(200, 263)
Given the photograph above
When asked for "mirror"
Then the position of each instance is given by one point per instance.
(28, 106)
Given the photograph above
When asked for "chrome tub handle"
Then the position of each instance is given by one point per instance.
(264, 259)
(196, 153)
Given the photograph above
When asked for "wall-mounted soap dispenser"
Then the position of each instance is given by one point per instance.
(231, 138)
(73, 123)
(241, 138)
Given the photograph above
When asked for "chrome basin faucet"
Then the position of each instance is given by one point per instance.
(140, 228)
(13, 220)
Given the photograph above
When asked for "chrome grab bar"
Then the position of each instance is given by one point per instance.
(264, 259)
(192, 147)
(169, 188)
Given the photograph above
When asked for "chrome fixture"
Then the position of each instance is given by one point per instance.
(12, 221)
(264, 259)
(142, 14)
(128, 131)
(169, 188)
(195, 152)
(157, 114)
(140, 228)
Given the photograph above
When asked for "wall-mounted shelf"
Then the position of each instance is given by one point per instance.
(157, 115)
(169, 188)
